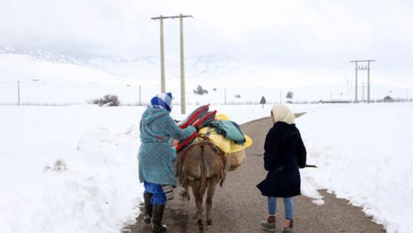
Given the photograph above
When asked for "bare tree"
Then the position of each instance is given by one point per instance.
(289, 96)
(200, 91)
(263, 101)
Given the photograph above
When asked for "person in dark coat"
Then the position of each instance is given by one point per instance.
(156, 157)
(284, 154)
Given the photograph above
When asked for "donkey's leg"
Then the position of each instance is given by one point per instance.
(212, 182)
(184, 181)
(196, 188)
(183, 191)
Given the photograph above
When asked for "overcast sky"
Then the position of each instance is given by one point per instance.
(319, 34)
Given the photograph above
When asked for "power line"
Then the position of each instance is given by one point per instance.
(204, 32)
(209, 31)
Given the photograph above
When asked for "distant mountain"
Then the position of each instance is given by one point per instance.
(50, 76)
(135, 68)
(150, 65)
(42, 55)
(212, 64)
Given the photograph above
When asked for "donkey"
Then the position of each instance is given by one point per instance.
(201, 165)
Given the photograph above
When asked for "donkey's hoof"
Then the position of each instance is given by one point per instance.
(184, 196)
(200, 222)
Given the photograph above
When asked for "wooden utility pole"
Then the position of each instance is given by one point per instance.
(161, 18)
(368, 77)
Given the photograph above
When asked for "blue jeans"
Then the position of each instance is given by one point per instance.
(158, 196)
(288, 206)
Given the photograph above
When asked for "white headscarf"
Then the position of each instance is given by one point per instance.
(282, 113)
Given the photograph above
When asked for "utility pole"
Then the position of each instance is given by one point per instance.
(181, 39)
(363, 98)
(355, 97)
(368, 77)
(140, 96)
(161, 18)
(368, 80)
(181, 36)
(181, 29)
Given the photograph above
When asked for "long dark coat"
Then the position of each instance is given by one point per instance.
(284, 154)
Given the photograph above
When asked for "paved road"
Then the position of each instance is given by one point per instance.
(239, 207)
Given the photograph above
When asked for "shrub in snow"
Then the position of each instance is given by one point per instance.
(388, 99)
(107, 100)
(263, 101)
(59, 165)
(200, 91)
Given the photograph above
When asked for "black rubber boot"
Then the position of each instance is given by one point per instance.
(157, 219)
(148, 208)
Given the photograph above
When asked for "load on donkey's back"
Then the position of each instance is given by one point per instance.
(221, 131)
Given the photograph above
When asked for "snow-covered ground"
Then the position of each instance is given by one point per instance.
(74, 168)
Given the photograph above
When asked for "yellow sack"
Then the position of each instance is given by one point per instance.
(235, 153)
(226, 145)
(221, 117)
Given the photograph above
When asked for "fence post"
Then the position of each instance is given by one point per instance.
(18, 92)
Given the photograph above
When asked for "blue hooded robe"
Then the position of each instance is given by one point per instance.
(156, 155)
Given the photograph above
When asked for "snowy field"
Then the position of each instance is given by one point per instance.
(74, 169)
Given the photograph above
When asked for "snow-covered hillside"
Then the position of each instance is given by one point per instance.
(40, 77)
